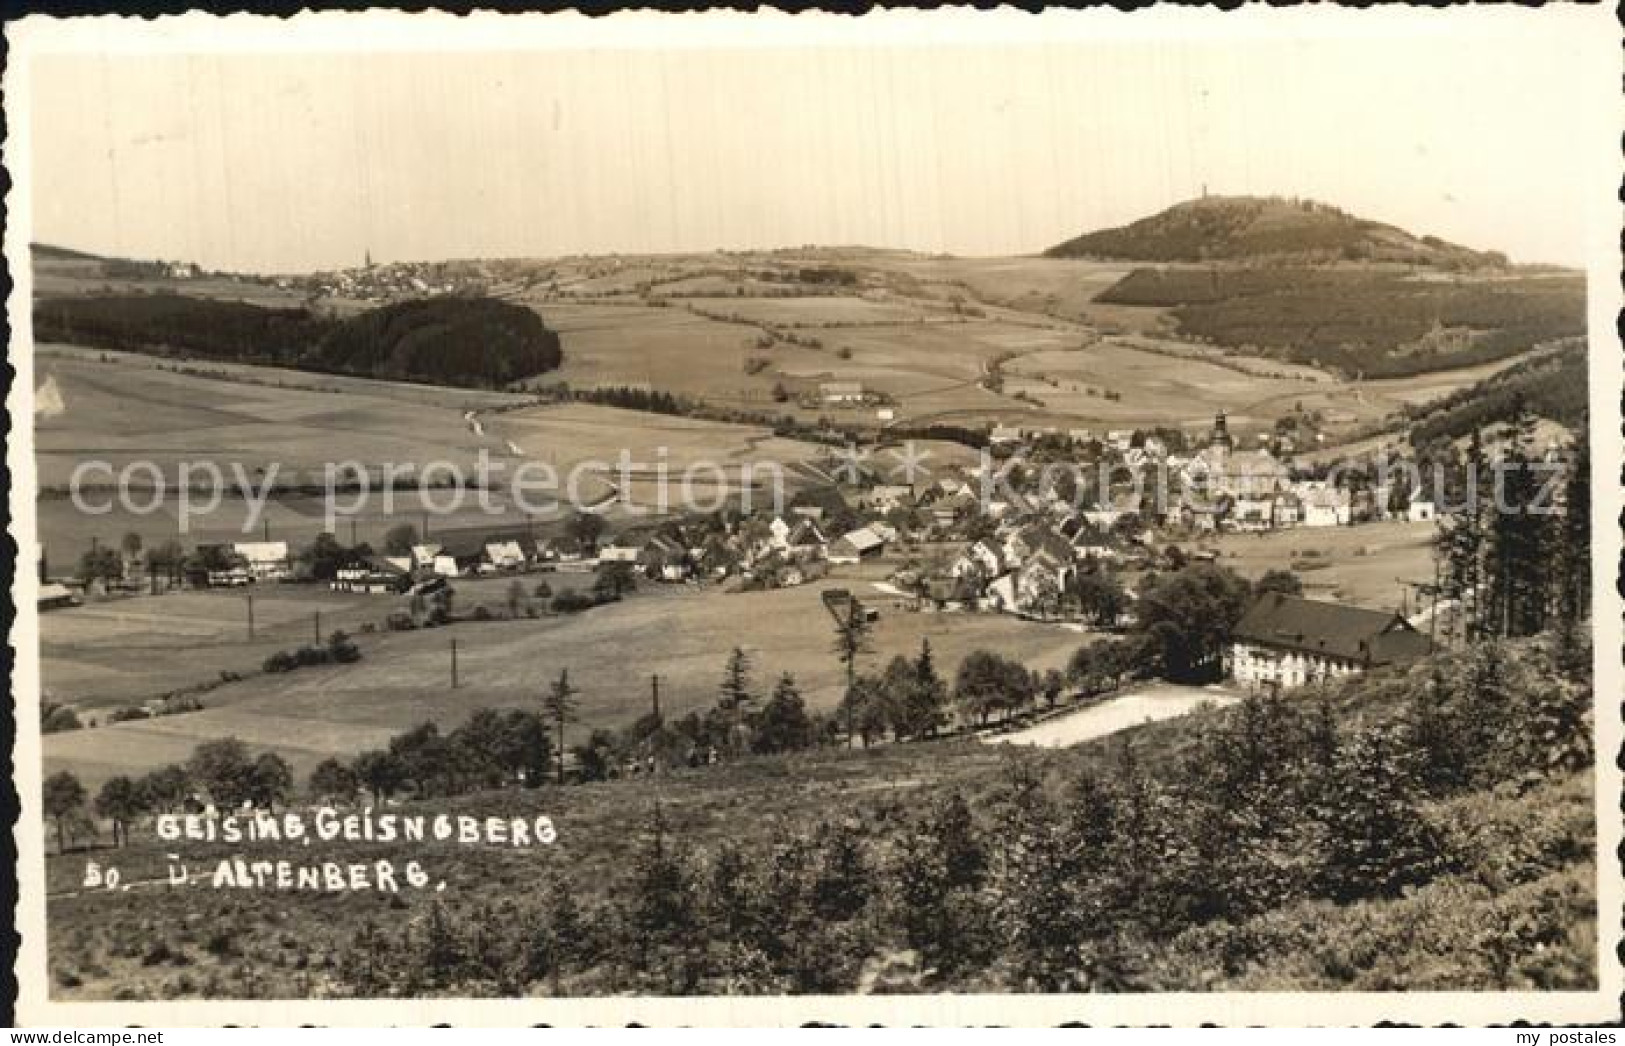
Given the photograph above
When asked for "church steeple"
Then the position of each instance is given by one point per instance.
(1221, 433)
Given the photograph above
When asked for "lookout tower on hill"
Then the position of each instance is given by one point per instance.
(1221, 433)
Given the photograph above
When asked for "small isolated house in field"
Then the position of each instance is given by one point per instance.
(1288, 641)
(856, 546)
(1003, 435)
(265, 560)
(842, 392)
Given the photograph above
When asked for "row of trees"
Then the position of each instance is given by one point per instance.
(222, 770)
(1516, 555)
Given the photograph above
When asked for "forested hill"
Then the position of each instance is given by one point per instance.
(1257, 229)
(1552, 386)
(466, 341)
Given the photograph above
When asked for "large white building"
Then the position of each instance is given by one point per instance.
(1288, 641)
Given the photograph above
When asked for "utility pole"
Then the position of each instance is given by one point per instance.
(454, 664)
(266, 528)
(425, 527)
(250, 597)
(654, 690)
(352, 532)
(316, 628)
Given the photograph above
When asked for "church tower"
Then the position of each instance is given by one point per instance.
(1221, 433)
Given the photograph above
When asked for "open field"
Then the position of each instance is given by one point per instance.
(669, 349)
(115, 652)
(129, 409)
(713, 459)
(907, 342)
(1357, 565)
(681, 633)
(826, 309)
(53, 279)
(1052, 286)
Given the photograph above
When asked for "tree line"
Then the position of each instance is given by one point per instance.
(1515, 555)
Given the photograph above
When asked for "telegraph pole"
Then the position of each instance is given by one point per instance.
(654, 690)
(454, 664)
(250, 597)
(316, 628)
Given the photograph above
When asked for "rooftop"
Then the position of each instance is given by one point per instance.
(1373, 637)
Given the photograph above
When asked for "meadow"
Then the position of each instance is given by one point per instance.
(681, 633)
(121, 408)
(1364, 565)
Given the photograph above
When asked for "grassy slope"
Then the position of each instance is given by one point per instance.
(1525, 865)
(403, 678)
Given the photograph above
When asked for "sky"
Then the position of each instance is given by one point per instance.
(292, 160)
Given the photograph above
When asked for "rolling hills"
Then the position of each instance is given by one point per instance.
(1252, 228)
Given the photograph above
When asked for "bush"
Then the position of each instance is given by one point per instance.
(480, 612)
(281, 661)
(127, 713)
(59, 718)
(400, 621)
(572, 603)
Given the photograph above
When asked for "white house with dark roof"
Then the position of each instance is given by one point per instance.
(1288, 641)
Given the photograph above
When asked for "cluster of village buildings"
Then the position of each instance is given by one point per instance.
(1023, 552)
(385, 283)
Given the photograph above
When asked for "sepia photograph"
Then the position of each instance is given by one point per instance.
(951, 517)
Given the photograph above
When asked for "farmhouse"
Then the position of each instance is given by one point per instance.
(265, 560)
(376, 575)
(856, 546)
(502, 555)
(1325, 506)
(621, 550)
(458, 554)
(805, 541)
(1287, 641)
(980, 560)
(666, 558)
